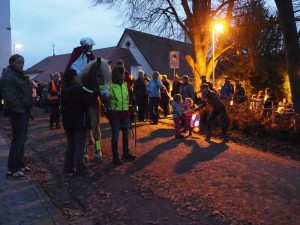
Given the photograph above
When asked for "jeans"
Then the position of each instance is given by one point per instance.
(19, 125)
(116, 126)
(221, 112)
(153, 108)
(75, 151)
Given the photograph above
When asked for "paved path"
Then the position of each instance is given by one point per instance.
(235, 181)
(23, 201)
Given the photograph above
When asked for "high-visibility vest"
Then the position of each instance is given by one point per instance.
(53, 88)
(119, 97)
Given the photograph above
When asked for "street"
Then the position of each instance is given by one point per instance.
(173, 181)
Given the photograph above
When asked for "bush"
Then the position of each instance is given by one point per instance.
(242, 118)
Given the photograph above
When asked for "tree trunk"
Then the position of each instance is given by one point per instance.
(292, 50)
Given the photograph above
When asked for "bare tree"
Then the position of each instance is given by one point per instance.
(170, 17)
(292, 50)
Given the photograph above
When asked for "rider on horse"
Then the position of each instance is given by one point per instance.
(81, 55)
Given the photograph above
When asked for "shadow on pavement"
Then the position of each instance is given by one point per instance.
(159, 133)
(149, 157)
(198, 155)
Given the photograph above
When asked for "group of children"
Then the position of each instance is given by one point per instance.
(182, 110)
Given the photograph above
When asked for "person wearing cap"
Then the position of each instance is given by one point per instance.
(141, 96)
(81, 55)
(218, 109)
(186, 89)
(227, 89)
(176, 85)
(239, 95)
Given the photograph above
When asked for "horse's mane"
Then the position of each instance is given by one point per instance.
(95, 73)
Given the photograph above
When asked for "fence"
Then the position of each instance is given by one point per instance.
(277, 113)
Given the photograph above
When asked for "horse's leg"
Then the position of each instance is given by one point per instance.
(95, 131)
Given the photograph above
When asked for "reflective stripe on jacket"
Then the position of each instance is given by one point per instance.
(119, 97)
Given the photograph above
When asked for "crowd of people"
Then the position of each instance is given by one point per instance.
(151, 97)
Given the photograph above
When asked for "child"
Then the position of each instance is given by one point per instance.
(177, 113)
(188, 112)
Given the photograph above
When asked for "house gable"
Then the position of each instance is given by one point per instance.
(127, 42)
(155, 50)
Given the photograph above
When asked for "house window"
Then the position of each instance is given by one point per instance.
(128, 44)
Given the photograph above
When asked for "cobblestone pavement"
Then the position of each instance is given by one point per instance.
(23, 201)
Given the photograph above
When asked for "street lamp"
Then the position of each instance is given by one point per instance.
(216, 27)
(16, 46)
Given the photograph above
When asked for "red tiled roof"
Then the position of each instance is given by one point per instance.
(58, 63)
(156, 50)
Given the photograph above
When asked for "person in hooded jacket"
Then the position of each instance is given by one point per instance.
(75, 102)
(17, 95)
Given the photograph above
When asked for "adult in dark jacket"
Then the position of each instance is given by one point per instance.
(141, 96)
(269, 102)
(218, 109)
(165, 95)
(175, 86)
(18, 100)
(186, 89)
(239, 95)
(75, 102)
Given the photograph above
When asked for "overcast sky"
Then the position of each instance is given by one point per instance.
(38, 24)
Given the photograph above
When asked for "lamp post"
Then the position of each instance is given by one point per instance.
(16, 46)
(216, 27)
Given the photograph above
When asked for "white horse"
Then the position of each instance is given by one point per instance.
(96, 75)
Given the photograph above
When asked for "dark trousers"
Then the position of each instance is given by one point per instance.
(19, 125)
(117, 125)
(46, 105)
(153, 108)
(221, 112)
(177, 125)
(165, 104)
(141, 111)
(54, 115)
(75, 151)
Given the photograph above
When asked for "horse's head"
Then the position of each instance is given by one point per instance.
(95, 74)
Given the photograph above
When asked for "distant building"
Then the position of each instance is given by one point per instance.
(5, 34)
(138, 50)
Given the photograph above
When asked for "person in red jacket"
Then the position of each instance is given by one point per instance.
(81, 55)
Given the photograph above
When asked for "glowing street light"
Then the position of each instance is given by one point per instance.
(220, 28)
(16, 46)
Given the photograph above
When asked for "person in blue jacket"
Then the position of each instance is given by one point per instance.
(153, 89)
